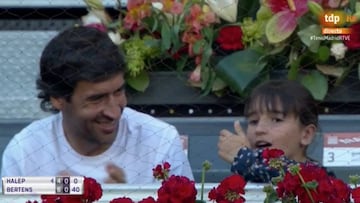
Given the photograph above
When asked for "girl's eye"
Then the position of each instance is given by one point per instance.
(276, 120)
(252, 122)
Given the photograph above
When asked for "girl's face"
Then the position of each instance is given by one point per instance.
(271, 127)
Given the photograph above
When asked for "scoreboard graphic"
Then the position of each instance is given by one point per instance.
(59, 185)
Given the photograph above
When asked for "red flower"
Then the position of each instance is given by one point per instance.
(314, 180)
(269, 154)
(122, 200)
(272, 153)
(355, 194)
(177, 189)
(230, 38)
(161, 172)
(229, 190)
(92, 190)
(61, 198)
(354, 41)
(148, 200)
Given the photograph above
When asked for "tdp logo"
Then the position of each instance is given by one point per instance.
(332, 18)
(335, 18)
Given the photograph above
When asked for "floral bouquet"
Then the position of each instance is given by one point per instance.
(296, 183)
(232, 45)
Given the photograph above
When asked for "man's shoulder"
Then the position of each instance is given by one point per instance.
(37, 133)
(41, 127)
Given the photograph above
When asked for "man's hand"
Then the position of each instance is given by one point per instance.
(116, 174)
(229, 143)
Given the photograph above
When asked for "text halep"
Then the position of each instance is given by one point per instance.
(15, 180)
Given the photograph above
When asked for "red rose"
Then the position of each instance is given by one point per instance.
(230, 38)
(122, 200)
(354, 41)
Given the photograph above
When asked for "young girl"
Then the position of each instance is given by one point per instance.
(281, 114)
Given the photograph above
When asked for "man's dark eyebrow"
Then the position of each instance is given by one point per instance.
(95, 97)
(121, 88)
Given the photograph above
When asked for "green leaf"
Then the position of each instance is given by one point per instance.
(277, 32)
(166, 37)
(218, 84)
(323, 53)
(307, 34)
(247, 8)
(140, 82)
(316, 83)
(198, 46)
(240, 68)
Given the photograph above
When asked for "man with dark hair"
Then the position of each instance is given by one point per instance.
(93, 133)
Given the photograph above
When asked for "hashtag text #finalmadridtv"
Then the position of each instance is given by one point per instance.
(330, 37)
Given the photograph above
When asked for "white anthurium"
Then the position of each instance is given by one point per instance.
(116, 38)
(225, 9)
(90, 18)
(157, 5)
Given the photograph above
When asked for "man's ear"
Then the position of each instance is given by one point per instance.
(308, 135)
(57, 103)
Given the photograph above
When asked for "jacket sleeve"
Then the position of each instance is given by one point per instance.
(250, 164)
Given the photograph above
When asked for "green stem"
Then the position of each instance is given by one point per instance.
(306, 189)
(202, 184)
(344, 75)
(294, 65)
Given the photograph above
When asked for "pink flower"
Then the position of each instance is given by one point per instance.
(173, 7)
(98, 26)
(195, 76)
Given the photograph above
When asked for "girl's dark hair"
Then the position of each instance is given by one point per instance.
(76, 54)
(292, 96)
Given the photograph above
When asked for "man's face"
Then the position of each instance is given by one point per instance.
(94, 111)
(272, 129)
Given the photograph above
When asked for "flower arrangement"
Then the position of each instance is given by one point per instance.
(173, 189)
(302, 183)
(231, 45)
(306, 183)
